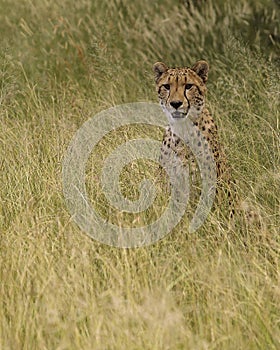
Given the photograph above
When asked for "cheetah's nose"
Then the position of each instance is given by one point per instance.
(176, 104)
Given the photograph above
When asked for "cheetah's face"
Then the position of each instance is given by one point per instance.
(181, 91)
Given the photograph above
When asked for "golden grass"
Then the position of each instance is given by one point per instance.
(60, 64)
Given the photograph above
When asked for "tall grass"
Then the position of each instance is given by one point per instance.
(60, 63)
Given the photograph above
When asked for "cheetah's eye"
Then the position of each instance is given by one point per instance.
(188, 86)
(166, 86)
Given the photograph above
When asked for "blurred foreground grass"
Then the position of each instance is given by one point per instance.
(60, 63)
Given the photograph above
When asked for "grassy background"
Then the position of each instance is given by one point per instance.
(62, 62)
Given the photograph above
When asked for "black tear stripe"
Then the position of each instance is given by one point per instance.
(185, 94)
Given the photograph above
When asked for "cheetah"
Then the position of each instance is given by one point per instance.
(182, 93)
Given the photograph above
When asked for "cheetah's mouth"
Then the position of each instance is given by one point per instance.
(178, 115)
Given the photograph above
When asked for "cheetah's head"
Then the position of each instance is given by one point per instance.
(181, 91)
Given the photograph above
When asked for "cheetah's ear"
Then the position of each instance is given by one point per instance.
(159, 69)
(201, 68)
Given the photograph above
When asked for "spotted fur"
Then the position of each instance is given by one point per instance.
(182, 93)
